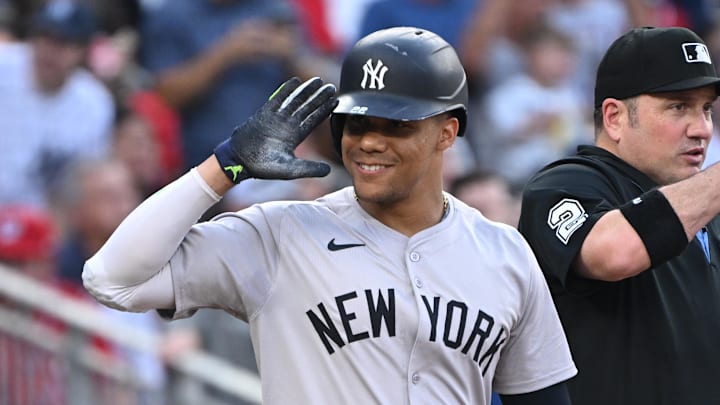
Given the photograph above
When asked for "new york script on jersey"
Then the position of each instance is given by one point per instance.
(474, 328)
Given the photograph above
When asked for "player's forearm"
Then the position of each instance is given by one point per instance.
(147, 239)
(212, 174)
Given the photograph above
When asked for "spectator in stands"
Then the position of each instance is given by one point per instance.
(136, 144)
(489, 47)
(31, 374)
(28, 237)
(591, 25)
(53, 110)
(697, 15)
(536, 116)
(28, 375)
(447, 18)
(313, 15)
(94, 197)
(490, 44)
(216, 60)
(146, 140)
(113, 55)
(490, 194)
(8, 16)
(343, 21)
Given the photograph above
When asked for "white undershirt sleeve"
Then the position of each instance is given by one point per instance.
(131, 271)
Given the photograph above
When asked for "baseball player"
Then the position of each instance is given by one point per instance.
(386, 292)
(627, 231)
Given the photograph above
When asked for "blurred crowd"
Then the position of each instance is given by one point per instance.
(103, 102)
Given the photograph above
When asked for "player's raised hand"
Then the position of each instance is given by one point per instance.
(264, 146)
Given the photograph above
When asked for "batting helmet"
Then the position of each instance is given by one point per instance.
(401, 73)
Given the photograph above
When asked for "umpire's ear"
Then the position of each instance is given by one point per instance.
(616, 116)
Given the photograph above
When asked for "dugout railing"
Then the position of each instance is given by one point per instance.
(47, 355)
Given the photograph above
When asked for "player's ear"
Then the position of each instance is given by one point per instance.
(449, 127)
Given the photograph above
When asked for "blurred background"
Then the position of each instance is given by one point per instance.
(103, 102)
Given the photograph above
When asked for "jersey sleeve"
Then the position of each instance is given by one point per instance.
(559, 208)
(226, 263)
(130, 271)
(537, 353)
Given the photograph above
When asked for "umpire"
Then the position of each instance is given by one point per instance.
(627, 232)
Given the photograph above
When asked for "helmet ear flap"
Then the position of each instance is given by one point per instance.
(461, 115)
(337, 123)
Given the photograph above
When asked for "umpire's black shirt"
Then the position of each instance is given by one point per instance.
(650, 339)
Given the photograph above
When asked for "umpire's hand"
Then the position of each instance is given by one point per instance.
(263, 146)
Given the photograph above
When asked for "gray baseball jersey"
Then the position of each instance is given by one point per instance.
(343, 309)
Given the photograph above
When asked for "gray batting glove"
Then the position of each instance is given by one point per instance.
(263, 147)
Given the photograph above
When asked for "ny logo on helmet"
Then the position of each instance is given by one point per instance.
(375, 74)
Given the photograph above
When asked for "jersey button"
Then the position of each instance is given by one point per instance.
(414, 256)
(418, 283)
(415, 378)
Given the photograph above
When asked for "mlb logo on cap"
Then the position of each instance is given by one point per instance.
(696, 52)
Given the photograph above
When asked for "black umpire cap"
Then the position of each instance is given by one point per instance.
(654, 60)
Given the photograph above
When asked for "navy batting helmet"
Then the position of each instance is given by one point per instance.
(401, 73)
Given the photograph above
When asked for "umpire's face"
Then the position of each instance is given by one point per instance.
(664, 135)
(391, 161)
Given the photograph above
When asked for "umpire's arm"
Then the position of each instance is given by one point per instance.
(650, 230)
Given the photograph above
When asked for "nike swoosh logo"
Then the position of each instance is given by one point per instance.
(332, 246)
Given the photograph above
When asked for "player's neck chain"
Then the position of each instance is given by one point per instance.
(445, 207)
(445, 204)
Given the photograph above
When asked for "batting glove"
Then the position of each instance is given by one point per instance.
(263, 146)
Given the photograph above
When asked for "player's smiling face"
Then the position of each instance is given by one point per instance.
(391, 160)
(669, 136)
